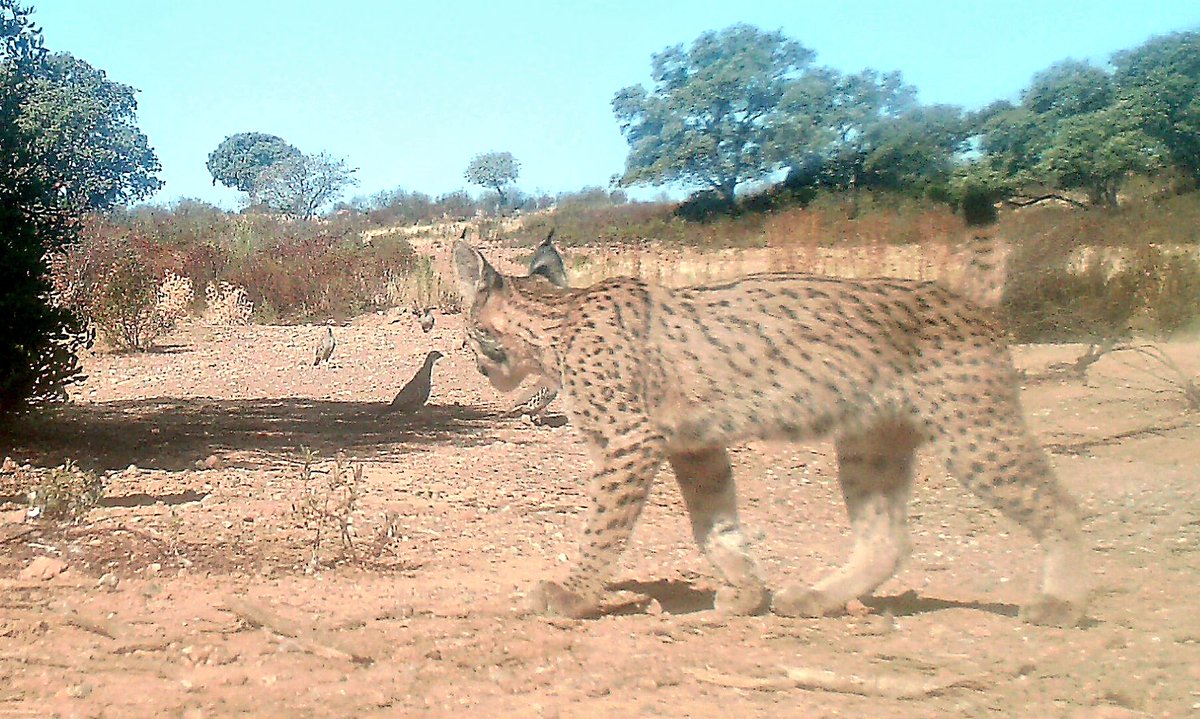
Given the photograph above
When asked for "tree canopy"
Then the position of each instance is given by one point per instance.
(1161, 79)
(85, 136)
(240, 159)
(301, 185)
(38, 339)
(1075, 129)
(710, 119)
(494, 170)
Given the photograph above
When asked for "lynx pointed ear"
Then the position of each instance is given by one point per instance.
(548, 263)
(475, 275)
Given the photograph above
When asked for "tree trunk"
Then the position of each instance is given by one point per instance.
(727, 189)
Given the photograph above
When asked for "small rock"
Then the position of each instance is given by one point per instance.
(131, 469)
(79, 691)
(44, 568)
(9, 465)
(213, 462)
(154, 568)
(108, 582)
(653, 608)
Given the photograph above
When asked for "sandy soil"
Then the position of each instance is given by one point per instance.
(209, 605)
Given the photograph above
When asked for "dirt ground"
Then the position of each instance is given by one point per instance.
(190, 591)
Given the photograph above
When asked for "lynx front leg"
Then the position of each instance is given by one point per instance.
(706, 483)
(617, 494)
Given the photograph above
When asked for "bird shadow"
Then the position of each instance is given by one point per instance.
(172, 433)
(910, 604)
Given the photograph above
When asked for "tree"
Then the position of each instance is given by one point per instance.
(302, 184)
(710, 120)
(240, 159)
(914, 152)
(494, 170)
(38, 339)
(1094, 152)
(85, 137)
(1162, 78)
(1075, 129)
(836, 121)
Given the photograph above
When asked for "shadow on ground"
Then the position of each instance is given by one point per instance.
(911, 603)
(675, 597)
(173, 433)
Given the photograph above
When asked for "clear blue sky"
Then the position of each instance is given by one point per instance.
(408, 92)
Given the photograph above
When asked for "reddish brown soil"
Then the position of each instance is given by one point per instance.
(431, 621)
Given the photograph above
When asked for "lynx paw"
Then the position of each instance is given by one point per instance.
(742, 601)
(1053, 612)
(551, 599)
(802, 601)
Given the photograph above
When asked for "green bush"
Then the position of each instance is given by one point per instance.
(38, 338)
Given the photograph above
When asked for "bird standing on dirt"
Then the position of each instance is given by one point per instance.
(535, 404)
(427, 320)
(325, 349)
(415, 394)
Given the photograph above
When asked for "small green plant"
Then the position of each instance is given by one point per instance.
(328, 499)
(62, 493)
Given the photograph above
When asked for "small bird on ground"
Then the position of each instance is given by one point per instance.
(535, 404)
(415, 394)
(426, 319)
(325, 349)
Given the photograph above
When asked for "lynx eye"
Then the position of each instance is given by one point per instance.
(488, 345)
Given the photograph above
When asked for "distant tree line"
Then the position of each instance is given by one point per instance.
(741, 106)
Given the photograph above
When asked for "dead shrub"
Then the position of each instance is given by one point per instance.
(226, 305)
(328, 500)
(1064, 292)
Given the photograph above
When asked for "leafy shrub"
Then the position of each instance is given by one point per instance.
(226, 305)
(65, 492)
(109, 281)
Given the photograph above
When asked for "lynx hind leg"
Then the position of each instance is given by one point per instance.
(706, 483)
(617, 494)
(987, 447)
(875, 470)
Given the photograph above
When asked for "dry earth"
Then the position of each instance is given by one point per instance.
(215, 611)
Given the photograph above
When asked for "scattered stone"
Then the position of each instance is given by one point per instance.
(108, 582)
(213, 462)
(44, 568)
(79, 691)
(9, 465)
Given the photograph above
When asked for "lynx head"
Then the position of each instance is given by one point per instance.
(504, 351)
